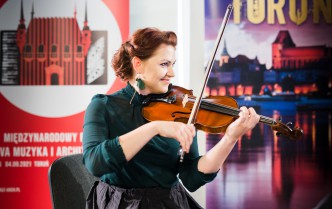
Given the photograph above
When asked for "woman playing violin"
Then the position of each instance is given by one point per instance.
(137, 161)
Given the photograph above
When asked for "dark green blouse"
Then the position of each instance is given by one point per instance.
(155, 165)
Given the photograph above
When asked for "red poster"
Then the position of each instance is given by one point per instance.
(54, 56)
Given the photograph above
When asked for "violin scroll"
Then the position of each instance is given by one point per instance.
(287, 130)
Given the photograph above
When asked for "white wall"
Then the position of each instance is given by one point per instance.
(186, 19)
(154, 13)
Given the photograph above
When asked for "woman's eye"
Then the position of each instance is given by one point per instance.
(165, 64)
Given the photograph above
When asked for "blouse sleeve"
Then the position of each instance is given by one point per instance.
(189, 174)
(100, 154)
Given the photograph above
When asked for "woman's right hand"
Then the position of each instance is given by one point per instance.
(181, 132)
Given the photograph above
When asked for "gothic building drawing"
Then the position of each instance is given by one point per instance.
(52, 51)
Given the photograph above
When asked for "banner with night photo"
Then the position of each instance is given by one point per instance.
(55, 55)
(275, 56)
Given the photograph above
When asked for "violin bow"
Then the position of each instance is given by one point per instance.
(198, 100)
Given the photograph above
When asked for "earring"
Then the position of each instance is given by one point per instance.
(140, 83)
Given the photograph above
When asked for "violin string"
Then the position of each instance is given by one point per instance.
(220, 108)
(234, 112)
(231, 111)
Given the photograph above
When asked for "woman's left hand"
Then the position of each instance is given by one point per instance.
(248, 118)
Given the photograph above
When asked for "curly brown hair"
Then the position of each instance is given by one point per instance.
(142, 44)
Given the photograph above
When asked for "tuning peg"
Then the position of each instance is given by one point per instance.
(289, 124)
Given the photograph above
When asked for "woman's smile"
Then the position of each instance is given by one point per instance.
(166, 80)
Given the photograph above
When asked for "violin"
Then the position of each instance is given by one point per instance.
(214, 115)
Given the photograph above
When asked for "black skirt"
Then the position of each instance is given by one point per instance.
(105, 196)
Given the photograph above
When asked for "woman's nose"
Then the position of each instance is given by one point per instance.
(170, 71)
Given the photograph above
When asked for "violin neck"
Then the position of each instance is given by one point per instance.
(267, 120)
(223, 109)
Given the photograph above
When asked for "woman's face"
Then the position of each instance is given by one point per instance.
(157, 71)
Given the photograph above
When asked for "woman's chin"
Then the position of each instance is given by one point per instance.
(162, 90)
(159, 88)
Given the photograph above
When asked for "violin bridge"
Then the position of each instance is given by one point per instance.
(185, 100)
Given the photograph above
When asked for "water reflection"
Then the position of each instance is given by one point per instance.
(264, 171)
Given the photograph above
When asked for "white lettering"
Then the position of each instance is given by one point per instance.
(44, 163)
(18, 164)
(48, 137)
(81, 136)
(13, 189)
(62, 151)
(4, 152)
(30, 152)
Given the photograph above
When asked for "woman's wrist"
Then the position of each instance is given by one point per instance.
(229, 139)
(154, 126)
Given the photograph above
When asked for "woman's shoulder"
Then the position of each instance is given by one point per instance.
(105, 98)
(100, 97)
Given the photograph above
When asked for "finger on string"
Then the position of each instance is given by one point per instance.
(244, 113)
(255, 116)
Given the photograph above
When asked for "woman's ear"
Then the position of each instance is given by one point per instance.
(137, 63)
